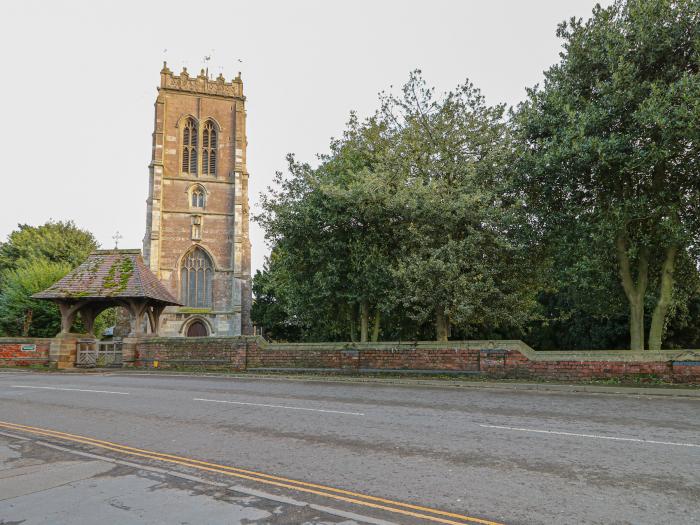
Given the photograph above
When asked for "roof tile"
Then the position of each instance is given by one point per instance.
(110, 273)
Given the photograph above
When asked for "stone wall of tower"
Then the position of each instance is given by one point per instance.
(224, 218)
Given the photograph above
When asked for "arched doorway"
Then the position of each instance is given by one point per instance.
(197, 329)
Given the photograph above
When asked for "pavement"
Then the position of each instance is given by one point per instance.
(661, 389)
(135, 448)
(406, 378)
(45, 484)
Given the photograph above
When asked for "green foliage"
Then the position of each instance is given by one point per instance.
(31, 260)
(55, 241)
(267, 311)
(327, 248)
(684, 328)
(548, 225)
(406, 222)
(104, 320)
(609, 153)
(20, 315)
(465, 255)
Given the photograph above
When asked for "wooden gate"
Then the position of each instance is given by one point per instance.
(100, 354)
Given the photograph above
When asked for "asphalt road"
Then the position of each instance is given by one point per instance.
(496, 455)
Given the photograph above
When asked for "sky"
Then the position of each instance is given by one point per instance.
(80, 81)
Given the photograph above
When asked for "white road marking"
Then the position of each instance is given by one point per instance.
(70, 389)
(279, 406)
(14, 436)
(594, 436)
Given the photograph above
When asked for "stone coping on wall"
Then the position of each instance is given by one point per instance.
(482, 345)
(644, 356)
(23, 358)
(19, 340)
(402, 345)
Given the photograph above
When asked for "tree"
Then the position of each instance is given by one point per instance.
(610, 145)
(580, 304)
(309, 267)
(20, 315)
(268, 310)
(32, 259)
(405, 221)
(55, 241)
(464, 260)
(329, 244)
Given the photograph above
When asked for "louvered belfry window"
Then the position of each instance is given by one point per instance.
(196, 273)
(209, 143)
(189, 147)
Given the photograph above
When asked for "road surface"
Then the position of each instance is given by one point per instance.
(270, 450)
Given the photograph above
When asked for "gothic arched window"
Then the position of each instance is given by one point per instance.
(196, 273)
(209, 143)
(197, 197)
(189, 147)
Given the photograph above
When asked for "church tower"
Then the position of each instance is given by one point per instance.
(196, 239)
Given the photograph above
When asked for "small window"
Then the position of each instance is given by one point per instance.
(197, 197)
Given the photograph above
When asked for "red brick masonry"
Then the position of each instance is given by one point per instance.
(24, 351)
(498, 359)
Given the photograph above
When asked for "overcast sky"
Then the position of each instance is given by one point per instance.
(80, 82)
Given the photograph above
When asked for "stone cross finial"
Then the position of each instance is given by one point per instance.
(116, 238)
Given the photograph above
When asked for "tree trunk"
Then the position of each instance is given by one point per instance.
(26, 325)
(441, 324)
(636, 325)
(658, 318)
(364, 321)
(353, 323)
(375, 326)
(634, 291)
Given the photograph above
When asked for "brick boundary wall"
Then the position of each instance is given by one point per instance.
(212, 352)
(14, 351)
(497, 359)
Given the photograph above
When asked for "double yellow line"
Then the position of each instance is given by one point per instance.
(365, 500)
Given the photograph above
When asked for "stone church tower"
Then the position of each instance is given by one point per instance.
(197, 219)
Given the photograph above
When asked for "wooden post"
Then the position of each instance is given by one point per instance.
(68, 312)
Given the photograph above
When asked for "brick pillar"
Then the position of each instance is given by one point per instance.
(129, 351)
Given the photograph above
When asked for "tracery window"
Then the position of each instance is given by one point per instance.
(196, 273)
(189, 147)
(197, 197)
(209, 144)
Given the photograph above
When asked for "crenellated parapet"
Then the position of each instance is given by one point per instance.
(201, 83)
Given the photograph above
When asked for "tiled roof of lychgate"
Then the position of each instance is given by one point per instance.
(110, 273)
